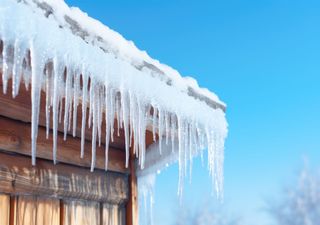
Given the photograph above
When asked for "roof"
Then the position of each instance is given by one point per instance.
(70, 56)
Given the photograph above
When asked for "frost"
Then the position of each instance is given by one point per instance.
(146, 186)
(110, 90)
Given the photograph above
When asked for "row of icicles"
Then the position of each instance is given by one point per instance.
(66, 87)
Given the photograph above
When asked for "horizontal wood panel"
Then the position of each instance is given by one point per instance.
(15, 137)
(17, 176)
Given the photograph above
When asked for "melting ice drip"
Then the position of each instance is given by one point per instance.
(110, 90)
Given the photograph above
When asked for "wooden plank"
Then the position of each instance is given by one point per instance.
(34, 210)
(15, 137)
(112, 215)
(132, 205)
(81, 213)
(17, 176)
(4, 209)
(12, 210)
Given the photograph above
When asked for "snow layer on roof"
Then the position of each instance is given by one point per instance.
(44, 51)
(93, 31)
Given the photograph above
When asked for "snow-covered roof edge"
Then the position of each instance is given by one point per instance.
(95, 33)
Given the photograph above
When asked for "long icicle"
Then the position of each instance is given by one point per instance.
(76, 95)
(36, 79)
(17, 68)
(108, 121)
(94, 103)
(5, 66)
(125, 117)
(48, 96)
(67, 101)
(55, 105)
(84, 109)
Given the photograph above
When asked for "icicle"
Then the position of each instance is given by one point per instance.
(167, 122)
(76, 95)
(58, 71)
(181, 130)
(17, 68)
(70, 103)
(125, 116)
(67, 100)
(48, 96)
(160, 127)
(94, 104)
(142, 132)
(6, 64)
(173, 130)
(191, 150)
(109, 120)
(118, 112)
(146, 186)
(131, 123)
(132, 119)
(84, 109)
(60, 108)
(26, 69)
(112, 111)
(186, 148)
(36, 79)
(99, 114)
(90, 103)
(136, 126)
(155, 112)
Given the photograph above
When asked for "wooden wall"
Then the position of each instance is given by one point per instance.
(70, 182)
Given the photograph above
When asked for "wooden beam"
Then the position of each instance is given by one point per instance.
(132, 205)
(17, 176)
(15, 137)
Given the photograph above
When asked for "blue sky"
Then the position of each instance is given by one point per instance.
(263, 59)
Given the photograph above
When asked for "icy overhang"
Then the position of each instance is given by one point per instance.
(100, 36)
(60, 50)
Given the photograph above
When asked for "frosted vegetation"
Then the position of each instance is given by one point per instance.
(44, 55)
(205, 214)
(300, 203)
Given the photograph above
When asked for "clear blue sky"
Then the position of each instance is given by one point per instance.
(263, 59)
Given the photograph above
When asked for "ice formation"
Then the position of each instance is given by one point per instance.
(108, 84)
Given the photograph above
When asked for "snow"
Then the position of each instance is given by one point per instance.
(183, 126)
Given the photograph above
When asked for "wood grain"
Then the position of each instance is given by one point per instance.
(18, 177)
(4, 209)
(15, 137)
(132, 206)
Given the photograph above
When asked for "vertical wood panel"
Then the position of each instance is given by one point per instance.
(81, 213)
(25, 212)
(31, 210)
(48, 211)
(112, 215)
(4, 209)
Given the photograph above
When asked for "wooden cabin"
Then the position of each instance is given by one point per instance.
(60, 165)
